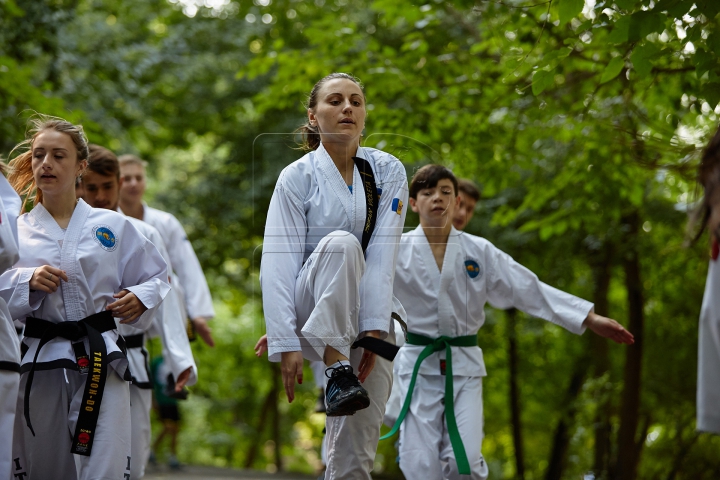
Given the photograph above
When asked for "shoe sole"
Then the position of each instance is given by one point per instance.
(349, 406)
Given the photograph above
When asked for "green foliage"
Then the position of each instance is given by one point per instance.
(569, 9)
(570, 118)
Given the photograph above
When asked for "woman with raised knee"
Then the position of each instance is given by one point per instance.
(331, 241)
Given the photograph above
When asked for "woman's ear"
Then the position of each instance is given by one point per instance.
(312, 120)
(82, 166)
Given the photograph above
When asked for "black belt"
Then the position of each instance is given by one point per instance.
(10, 366)
(134, 341)
(385, 349)
(91, 327)
(138, 341)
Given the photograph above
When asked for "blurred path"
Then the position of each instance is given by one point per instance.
(210, 473)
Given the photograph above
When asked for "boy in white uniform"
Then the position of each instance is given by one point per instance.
(198, 301)
(79, 269)
(9, 346)
(101, 184)
(469, 195)
(444, 278)
(708, 385)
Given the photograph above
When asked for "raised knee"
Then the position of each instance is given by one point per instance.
(345, 241)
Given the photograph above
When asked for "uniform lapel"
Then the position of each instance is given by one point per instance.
(358, 198)
(446, 319)
(48, 223)
(69, 263)
(426, 255)
(334, 180)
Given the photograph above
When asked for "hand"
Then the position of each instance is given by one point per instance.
(47, 279)
(608, 328)
(291, 366)
(261, 346)
(202, 329)
(367, 362)
(128, 307)
(182, 379)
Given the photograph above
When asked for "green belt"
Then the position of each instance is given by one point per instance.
(432, 346)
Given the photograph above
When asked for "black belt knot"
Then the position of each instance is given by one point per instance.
(91, 327)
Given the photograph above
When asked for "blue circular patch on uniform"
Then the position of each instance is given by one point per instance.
(105, 237)
(472, 268)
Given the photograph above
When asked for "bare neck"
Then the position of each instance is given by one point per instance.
(135, 210)
(60, 206)
(436, 234)
(342, 156)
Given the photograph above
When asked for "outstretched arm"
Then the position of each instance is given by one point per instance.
(512, 285)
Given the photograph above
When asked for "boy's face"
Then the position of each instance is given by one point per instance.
(464, 212)
(133, 183)
(436, 205)
(101, 191)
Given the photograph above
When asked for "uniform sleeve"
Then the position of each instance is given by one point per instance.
(8, 245)
(15, 290)
(144, 274)
(157, 241)
(187, 267)
(376, 287)
(175, 344)
(170, 322)
(509, 284)
(282, 258)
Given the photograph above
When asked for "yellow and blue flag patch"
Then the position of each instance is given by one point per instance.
(397, 206)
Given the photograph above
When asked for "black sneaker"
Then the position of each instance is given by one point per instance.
(344, 395)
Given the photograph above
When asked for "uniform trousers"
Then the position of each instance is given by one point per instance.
(327, 295)
(140, 405)
(9, 382)
(327, 300)
(54, 406)
(425, 449)
(352, 440)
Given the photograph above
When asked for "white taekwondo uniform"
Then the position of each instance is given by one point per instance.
(708, 385)
(169, 324)
(185, 264)
(102, 254)
(9, 345)
(319, 290)
(451, 304)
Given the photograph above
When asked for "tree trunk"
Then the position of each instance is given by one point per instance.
(628, 454)
(269, 407)
(601, 265)
(262, 419)
(515, 395)
(561, 439)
